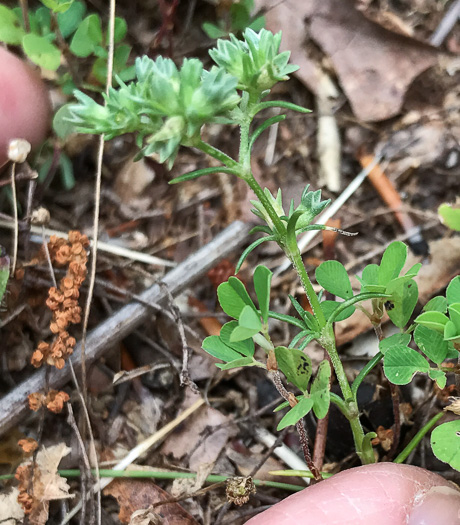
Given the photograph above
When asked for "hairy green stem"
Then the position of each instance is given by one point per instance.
(418, 437)
(364, 451)
(294, 255)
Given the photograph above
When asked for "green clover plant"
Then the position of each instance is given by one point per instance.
(61, 24)
(239, 17)
(166, 107)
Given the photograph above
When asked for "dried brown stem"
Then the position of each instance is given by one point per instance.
(305, 442)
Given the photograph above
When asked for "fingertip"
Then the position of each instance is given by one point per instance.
(438, 506)
(25, 109)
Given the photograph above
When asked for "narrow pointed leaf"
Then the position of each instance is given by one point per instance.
(320, 391)
(258, 131)
(262, 281)
(249, 249)
(199, 173)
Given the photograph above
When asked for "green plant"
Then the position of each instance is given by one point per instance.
(166, 107)
(60, 29)
(237, 18)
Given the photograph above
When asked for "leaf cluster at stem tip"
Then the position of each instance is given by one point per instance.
(166, 106)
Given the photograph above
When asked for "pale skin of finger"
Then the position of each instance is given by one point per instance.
(24, 104)
(380, 494)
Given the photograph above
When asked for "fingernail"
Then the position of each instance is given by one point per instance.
(439, 506)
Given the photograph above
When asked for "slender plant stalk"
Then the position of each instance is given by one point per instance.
(402, 456)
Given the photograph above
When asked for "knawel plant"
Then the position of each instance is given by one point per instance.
(166, 107)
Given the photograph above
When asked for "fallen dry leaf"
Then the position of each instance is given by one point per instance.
(145, 517)
(47, 484)
(188, 439)
(375, 66)
(133, 495)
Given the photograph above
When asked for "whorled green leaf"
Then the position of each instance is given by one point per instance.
(402, 304)
(392, 263)
(453, 291)
(434, 320)
(295, 365)
(397, 340)
(262, 282)
(41, 51)
(233, 297)
(431, 343)
(248, 325)
(320, 391)
(400, 364)
(445, 442)
(333, 277)
(296, 413)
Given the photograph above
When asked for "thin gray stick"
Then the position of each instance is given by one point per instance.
(14, 406)
(446, 25)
